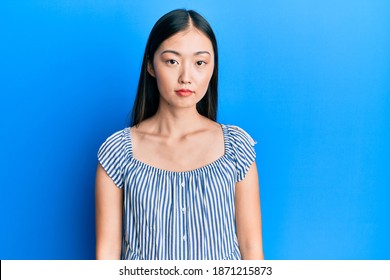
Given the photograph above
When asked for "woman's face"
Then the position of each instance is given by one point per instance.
(183, 66)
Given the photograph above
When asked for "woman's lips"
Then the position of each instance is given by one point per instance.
(184, 92)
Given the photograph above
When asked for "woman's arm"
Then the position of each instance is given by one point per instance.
(248, 216)
(109, 203)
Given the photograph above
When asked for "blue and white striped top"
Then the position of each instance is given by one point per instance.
(170, 215)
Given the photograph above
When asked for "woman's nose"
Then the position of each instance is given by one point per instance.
(185, 77)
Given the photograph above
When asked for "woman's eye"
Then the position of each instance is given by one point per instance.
(171, 61)
(200, 63)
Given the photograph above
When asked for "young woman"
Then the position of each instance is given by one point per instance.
(176, 184)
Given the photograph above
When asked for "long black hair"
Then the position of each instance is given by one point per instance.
(147, 99)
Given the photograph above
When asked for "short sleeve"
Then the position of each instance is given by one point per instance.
(243, 151)
(111, 156)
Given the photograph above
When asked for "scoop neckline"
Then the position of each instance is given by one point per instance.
(129, 146)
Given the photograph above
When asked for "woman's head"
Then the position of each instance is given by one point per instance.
(148, 96)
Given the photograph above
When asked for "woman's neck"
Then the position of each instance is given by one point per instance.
(175, 123)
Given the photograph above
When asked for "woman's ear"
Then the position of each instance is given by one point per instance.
(151, 69)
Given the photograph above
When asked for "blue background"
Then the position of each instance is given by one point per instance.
(309, 80)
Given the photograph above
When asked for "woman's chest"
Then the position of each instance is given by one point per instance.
(179, 155)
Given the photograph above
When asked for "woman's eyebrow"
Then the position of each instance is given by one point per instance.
(170, 51)
(178, 54)
(202, 52)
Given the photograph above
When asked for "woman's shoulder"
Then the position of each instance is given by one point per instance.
(114, 153)
(240, 148)
(237, 133)
(119, 134)
(119, 140)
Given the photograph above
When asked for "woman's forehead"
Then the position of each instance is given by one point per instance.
(189, 41)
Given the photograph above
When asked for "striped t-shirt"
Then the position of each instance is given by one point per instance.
(169, 215)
